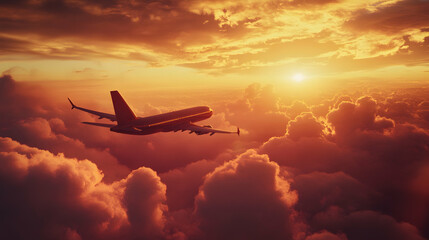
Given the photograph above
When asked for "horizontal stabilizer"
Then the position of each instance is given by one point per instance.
(73, 106)
(100, 115)
(100, 124)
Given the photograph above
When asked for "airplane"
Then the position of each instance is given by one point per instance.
(128, 123)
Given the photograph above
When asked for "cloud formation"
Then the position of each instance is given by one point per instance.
(402, 16)
(47, 196)
(347, 166)
(246, 199)
(208, 36)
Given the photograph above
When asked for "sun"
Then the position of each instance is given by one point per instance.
(298, 77)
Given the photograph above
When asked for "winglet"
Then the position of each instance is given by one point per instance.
(73, 106)
(238, 131)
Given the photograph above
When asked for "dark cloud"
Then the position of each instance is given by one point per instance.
(11, 45)
(49, 196)
(164, 26)
(393, 18)
(332, 189)
(7, 85)
(184, 183)
(313, 2)
(366, 224)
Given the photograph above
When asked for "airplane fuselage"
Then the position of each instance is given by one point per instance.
(129, 123)
(164, 122)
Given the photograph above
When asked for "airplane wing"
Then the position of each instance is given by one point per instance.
(100, 115)
(200, 130)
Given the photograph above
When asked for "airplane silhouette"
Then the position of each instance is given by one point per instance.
(128, 123)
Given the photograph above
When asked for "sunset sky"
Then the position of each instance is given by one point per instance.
(209, 43)
(331, 96)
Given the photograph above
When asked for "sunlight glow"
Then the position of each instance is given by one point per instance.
(298, 77)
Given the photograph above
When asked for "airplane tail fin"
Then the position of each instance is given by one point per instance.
(123, 112)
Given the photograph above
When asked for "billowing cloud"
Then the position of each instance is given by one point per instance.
(246, 199)
(348, 165)
(47, 196)
(353, 159)
(144, 198)
(35, 120)
(310, 154)
(258, 113)
(305, 125)
(350, 117)
(184, 183)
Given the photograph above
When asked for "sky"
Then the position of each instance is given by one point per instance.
(212, 43)
(331, 97)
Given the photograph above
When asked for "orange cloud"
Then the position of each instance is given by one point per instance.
(358, 167)
(305, 125)
(66, 197)
(401, 16)
(360, 116)
(246, 198)
(219, 36)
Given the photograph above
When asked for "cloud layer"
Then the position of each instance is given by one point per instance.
(347, 166)
(220, 36)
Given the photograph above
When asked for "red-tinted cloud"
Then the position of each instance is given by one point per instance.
(144, 198)
(184, 183)
(365, 224)
(357, 170)
(208, 35)
(332, 189)
(361, 116)
(366, 162)
(258, 113)
(325, 235)
(423, 111)
(36, 119)
(246, 199)
(46, 196)
(310, 154)
(401, 16)
(305, 125)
